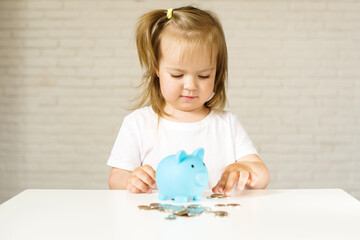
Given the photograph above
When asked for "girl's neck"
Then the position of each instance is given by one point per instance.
(186, 116)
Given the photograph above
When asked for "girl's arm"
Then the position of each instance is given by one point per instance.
(248, 171)
(141, 180)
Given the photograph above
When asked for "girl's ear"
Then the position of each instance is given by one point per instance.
(157, 69)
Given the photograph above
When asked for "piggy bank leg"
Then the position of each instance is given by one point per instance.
(197, 198)
(180, 199)
(162, 197)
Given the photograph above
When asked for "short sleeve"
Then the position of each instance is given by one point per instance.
(242, 142)
(125, 153)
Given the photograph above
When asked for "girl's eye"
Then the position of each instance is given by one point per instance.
(176, 76)
(204, 77)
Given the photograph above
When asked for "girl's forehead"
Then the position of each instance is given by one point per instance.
(177, 51)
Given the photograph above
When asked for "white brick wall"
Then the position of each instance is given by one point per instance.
(68, 69)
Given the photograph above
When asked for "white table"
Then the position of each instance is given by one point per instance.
(104, 214)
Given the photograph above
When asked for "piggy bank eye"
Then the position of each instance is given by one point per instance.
(204, 164)
(192, 165)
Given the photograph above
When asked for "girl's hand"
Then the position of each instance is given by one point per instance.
(238, 172)
(141, 180)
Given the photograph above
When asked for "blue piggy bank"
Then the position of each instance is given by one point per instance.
(181, 176)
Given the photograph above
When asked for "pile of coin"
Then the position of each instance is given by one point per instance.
(181, 211)
(189, 210)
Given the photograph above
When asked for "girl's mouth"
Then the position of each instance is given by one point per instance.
(188, 97)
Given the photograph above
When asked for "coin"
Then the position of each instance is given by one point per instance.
(193, 206)
(170, 217)
(166, 208)
(217, 195)
(194, 212)
(220, 205)
(233, 205)
(204, 209)
(154, 205)
(221, 213)
(174, 209)
(182, 212)
(144, 207)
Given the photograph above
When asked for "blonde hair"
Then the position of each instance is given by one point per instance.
(193, 25)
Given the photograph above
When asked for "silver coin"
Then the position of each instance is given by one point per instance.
(165, 208)
(154, 205)
(194, 212)
(204, 209)
(193, 206)
(174, 209)
(170, 217)
(165, 205)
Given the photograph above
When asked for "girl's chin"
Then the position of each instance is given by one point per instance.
(191, 109)
(185, 107)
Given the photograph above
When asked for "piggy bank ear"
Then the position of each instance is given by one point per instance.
(199, 153)
(181, 156)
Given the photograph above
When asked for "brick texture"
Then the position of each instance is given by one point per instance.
(68, 71)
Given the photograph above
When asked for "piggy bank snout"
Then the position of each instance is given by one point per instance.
(201, 179)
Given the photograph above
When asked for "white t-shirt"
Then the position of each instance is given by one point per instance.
(142, 141)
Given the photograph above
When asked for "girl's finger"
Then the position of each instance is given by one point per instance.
(216, 188)
(138, 184)
(253, 181)
(222, 182)
(132, 189)
(232, 179)
(244, 176)
(150, 171)
(145, 178)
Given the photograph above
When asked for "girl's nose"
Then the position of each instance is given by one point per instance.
(190, 83)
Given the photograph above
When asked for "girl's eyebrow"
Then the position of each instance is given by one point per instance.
(178, 69)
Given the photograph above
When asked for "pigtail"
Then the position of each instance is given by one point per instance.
(147, 34)
(147, 30)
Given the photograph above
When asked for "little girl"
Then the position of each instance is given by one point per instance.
(181, 106)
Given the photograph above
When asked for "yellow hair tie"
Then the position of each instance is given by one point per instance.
(169, 13)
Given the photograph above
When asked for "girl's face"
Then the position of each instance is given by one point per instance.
(186, 77)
